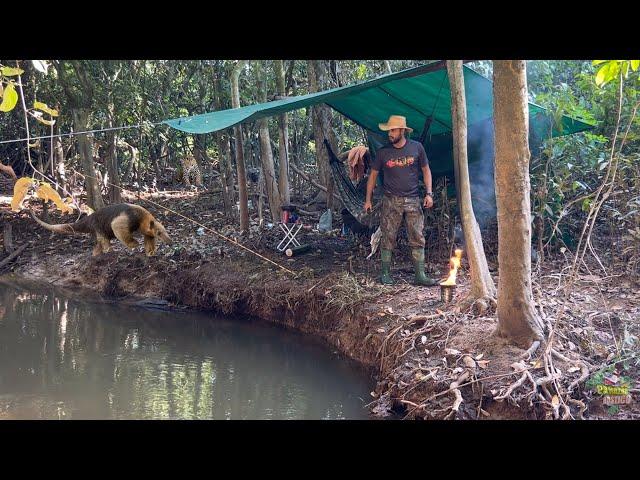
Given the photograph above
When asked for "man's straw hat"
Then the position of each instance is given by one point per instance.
(395, 121)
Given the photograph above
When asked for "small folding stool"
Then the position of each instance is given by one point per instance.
(290, 229)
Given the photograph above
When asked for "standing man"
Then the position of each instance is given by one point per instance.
(402, 159)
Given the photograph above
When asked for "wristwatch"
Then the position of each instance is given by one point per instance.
(430, 194)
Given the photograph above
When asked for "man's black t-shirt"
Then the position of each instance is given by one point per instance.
(401, 167)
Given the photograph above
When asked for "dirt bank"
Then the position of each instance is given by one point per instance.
(419, 349)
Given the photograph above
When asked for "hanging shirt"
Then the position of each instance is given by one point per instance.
(401, 167)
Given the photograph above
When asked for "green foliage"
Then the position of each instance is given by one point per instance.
(598, 377)
(9, 98)
(610, 69)
(10, 71)
(361, 72)
(8, 91)
(566, 171)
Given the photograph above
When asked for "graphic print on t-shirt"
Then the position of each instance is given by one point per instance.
(400, 162)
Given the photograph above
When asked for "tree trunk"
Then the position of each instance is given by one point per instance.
(317, 72)
(283, 138)
(80, 123)
(482, 286)
(242, 175)
(517, 319)
(266, 154)
(111, 162)
(7, 236)
(134, 164)
(224, 156)
(60, 175)
(226, 174)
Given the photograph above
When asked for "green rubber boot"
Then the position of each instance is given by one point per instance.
(417, 254)
(386, 279)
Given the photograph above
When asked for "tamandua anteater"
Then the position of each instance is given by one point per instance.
(115, 221)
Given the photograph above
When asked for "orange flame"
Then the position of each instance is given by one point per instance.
(454, 264)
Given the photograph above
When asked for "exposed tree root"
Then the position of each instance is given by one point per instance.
(456, 392)
(477, 305)
(532, 349)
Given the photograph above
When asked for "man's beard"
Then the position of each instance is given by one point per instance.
(396, 140)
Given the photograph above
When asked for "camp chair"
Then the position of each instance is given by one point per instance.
(289, 229)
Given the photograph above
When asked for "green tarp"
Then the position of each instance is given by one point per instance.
(417, 93)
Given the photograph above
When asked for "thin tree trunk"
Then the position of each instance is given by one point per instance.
(61, 176)
(226, 174)
(283, 138)
(317, 72)
(517, 320)
(259, 199)
(242, 175)
(224, 160)
(7, 236)
(266, 154)
(482, 286)
(111, 162)
(81, 122)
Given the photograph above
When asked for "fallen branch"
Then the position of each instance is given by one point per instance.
(423, 318)
(10, 258)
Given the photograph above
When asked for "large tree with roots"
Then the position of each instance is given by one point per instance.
(517, 319)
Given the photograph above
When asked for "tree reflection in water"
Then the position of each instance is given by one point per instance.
(62, 358)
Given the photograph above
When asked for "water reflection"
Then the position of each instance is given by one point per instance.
(62, 358)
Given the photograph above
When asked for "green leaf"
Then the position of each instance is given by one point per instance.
(607, 72)
(10, 71)
(602, 75)
(45, 108)
(635, 64)
(598, 62)
(9, 99)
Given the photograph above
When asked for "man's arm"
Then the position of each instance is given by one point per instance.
(371, 184)
(428, 198)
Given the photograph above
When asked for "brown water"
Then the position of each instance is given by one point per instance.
(69, 359)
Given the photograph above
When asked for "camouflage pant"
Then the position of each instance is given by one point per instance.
(393, 209)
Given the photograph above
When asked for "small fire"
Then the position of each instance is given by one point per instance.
(454, 264)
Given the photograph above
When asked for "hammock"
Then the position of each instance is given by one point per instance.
(353, 196)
